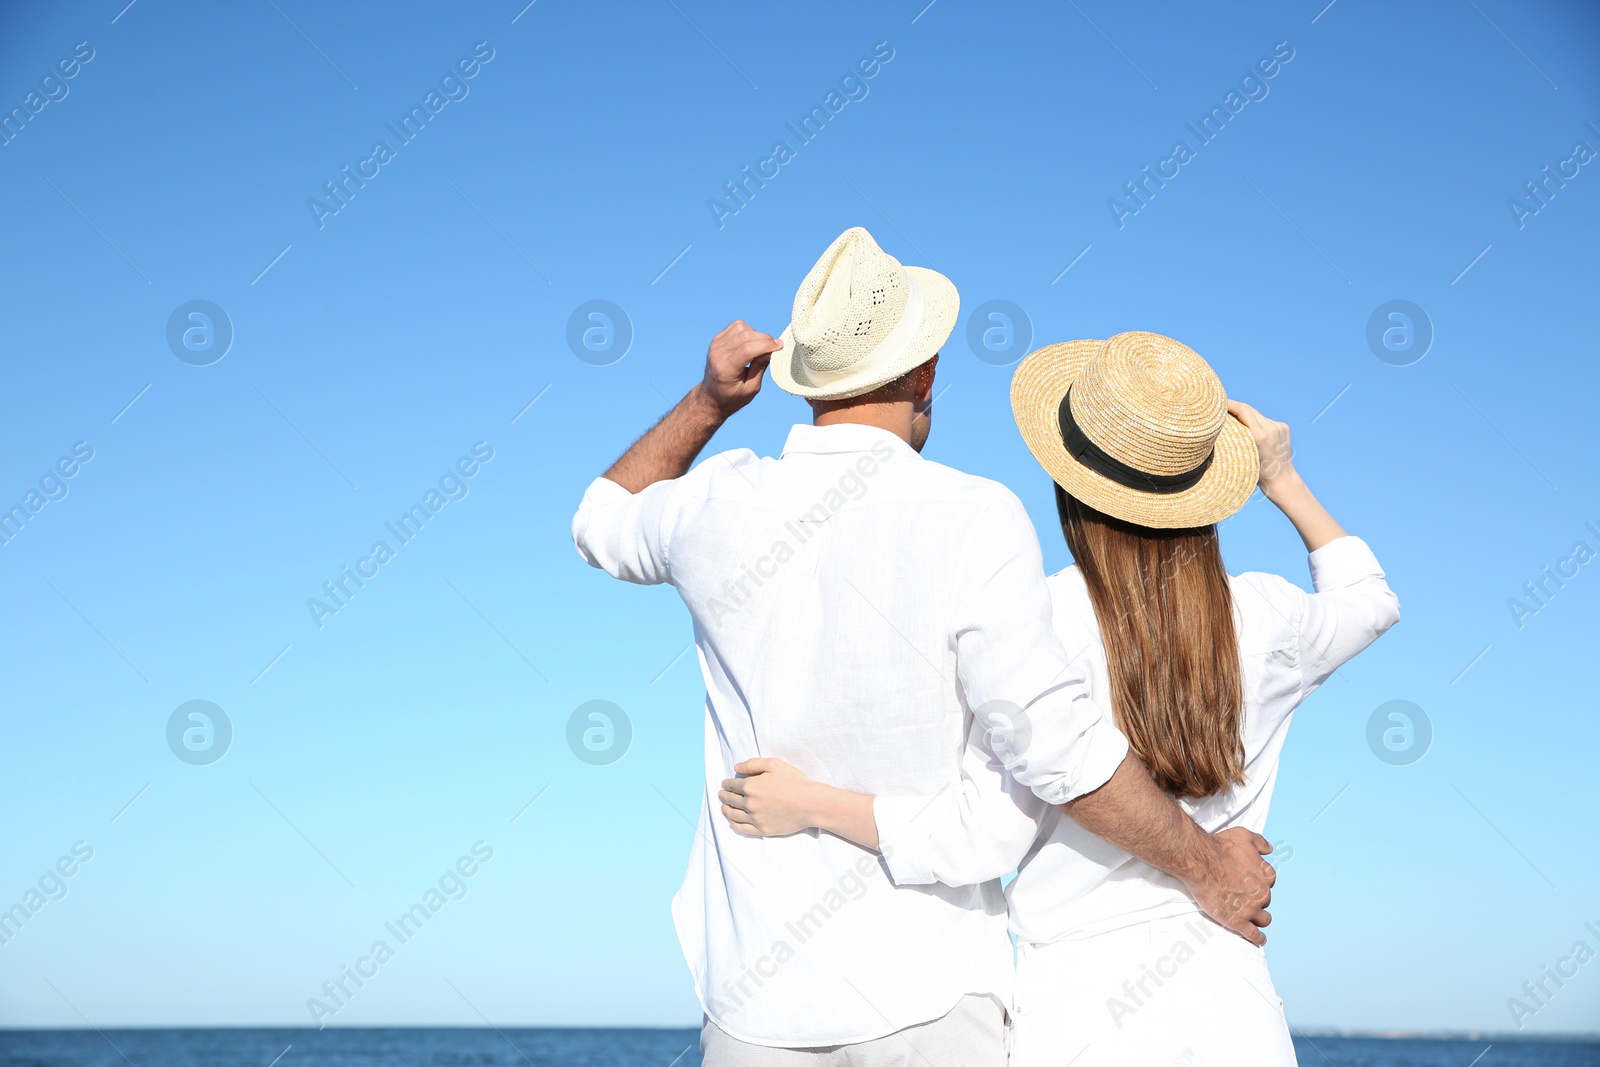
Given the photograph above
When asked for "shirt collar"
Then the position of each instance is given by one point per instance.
(840, 437)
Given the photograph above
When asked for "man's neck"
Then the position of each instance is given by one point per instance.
(894, 417)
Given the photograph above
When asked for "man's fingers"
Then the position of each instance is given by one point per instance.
(731, 332)
(758, 765)
(736, 816)
(1244, 903)
(1246, 928)
(733, 800)
(739, 333)
(1257, 842)
(759, 344)
(733, 785)
(735, 336)
(757, 368)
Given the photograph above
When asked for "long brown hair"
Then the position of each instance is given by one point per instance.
(1166, 617)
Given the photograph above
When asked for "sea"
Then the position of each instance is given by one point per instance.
(351, 1047)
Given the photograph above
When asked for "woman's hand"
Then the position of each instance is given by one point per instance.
(1281, 483)
(1272, 446)
(770, 800)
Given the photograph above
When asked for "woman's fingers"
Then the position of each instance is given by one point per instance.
(739, 820)
(1260, 426)
(1271, 437)
(1258, 423)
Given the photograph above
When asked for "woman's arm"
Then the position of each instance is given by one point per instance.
(975, 829)
(1352, 605)
(1281, 483)
(774, 799)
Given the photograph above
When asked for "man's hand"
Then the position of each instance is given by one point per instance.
(735, 363)
(1234, 885)
(1223, 872)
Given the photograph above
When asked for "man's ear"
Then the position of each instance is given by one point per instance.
(925, 381)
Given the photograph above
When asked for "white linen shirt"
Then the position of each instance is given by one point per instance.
(1072, 884)
(852, 602)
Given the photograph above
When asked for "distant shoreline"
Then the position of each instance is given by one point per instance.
(1575, 1037)
(1578, 1036)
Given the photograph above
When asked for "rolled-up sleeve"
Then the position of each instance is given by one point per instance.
(625, 534)
(1351, 608)
(1014, 674)
(629, 535)
(978, 828)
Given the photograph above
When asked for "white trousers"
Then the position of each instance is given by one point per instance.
(973, 1034)
(1173, 991)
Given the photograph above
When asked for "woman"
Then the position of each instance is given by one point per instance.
(1116, 965)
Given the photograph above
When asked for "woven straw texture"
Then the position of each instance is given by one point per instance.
(847, 307)
(1150, 402)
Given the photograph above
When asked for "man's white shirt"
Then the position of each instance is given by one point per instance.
(853, 603)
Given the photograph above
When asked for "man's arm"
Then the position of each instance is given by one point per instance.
(735, 363)
(1054, 739)
(1223, 872)
(772, 798)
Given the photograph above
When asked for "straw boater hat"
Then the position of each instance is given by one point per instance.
(1136, 427)
(862, 320)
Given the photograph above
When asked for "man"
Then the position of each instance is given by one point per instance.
(855, 606)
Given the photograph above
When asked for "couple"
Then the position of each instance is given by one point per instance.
(901, 708)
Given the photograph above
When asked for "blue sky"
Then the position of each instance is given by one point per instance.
(375, 347)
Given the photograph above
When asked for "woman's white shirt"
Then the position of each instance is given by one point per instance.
(1071, 883)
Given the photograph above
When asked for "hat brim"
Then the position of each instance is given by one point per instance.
(941, 307)
(1038, 385)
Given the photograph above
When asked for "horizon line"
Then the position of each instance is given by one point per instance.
(1581, 1036)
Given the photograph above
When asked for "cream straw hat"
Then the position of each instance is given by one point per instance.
(1136, 427)
(861, 320)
